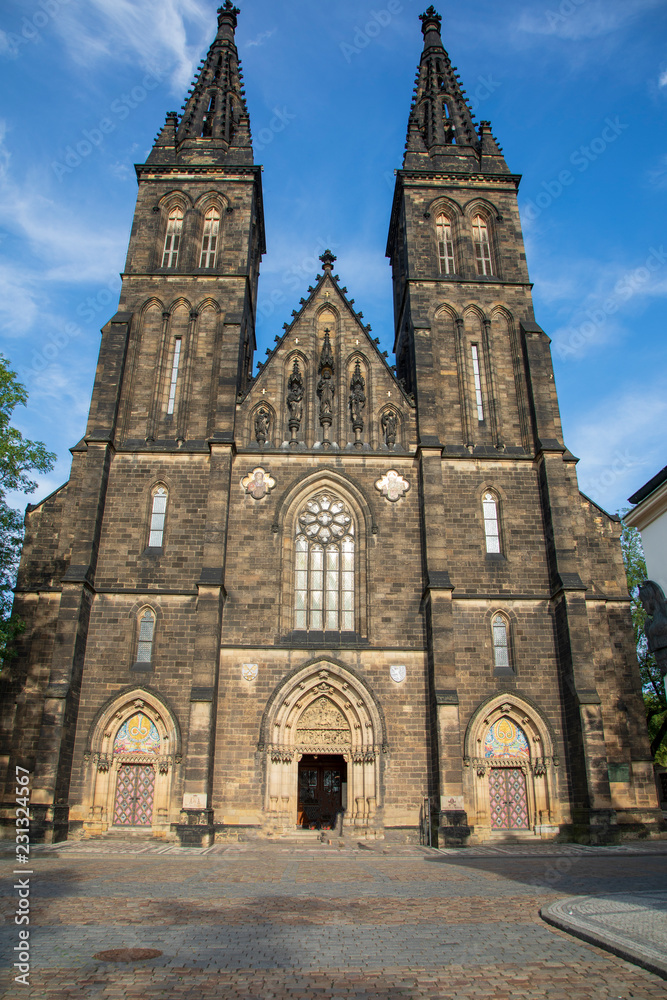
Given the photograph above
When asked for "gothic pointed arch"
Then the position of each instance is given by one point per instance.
(325, 524)
(323, 708)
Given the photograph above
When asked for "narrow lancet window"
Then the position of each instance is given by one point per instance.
(172, 240)
(209, 244)
(478, 383)
(480, 238)
(324, 566)
(491, 530)
(158, 517)
(146, 633)
(445, 245)
(501, 653)
(173, 382)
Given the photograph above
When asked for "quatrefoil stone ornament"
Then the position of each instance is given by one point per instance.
(392, 485)
(258, 483)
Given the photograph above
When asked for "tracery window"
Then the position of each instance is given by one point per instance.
(158, 517)
(146, 635)
(480, 238)
(443, 228)
(324, 566)
(209, 244)
(479, 401)
(172, 240)
(501, 649)
(173, 381)
(491, 527)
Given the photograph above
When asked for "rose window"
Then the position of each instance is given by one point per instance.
(324, 566)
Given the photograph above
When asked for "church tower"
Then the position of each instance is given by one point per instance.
(492, 457)
(336, 595)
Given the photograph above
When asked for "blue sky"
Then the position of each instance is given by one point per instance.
(569, 85)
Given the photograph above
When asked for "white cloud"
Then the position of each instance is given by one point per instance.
(617, 443)
(578, 20)
(261, 38)
(662, 79)
(154, 30)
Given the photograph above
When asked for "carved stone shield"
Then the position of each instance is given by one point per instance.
(397, 672)
(249, 671)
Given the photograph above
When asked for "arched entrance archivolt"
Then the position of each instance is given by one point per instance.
(323, 712)
(510, 774)
(133, 749)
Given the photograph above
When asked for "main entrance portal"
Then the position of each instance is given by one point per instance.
(322, 790)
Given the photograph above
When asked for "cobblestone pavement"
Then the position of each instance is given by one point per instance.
(253, 922)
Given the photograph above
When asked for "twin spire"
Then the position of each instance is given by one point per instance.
(215, 126)
(441, 131)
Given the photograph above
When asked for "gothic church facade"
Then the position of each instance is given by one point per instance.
(341, 594)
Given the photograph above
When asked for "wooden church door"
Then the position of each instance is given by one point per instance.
(507, 792)
(134, 795)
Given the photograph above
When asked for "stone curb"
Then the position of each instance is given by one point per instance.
(567, 915)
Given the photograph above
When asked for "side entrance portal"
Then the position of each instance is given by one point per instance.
(322, 791)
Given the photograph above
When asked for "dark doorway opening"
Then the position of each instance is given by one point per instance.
(322, 791)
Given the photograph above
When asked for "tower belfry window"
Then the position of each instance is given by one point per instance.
(173, 382)
(478, 383)
(445, 244)
(172, 239)
(207, 124)
(480, 238)
(209, 244)
(324, 566)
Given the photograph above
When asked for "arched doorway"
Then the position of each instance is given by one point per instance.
(323, 737)
(134, 747)
(510, 779)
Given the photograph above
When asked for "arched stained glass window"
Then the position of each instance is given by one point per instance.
(209, 244)
(501, 649)
(491, 529)
(480, 238)
(506, 739)
(172, 240)
(158, 517)
(138, 734)
(443, 228)
(324, 566)
(146, 633)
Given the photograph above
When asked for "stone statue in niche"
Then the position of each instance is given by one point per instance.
(655, 606)
(326, 389)
(389, 424)
(258, 483)
(357, 403)
(262, 425)
(295, 402)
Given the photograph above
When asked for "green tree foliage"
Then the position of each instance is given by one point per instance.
(18, 459)
(653, 687)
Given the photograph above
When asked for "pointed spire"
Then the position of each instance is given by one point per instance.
(441, 131)
(215, 125)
